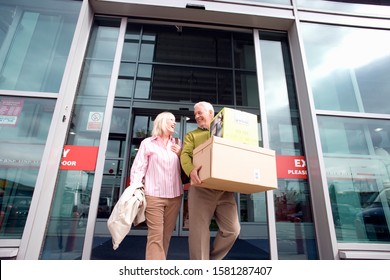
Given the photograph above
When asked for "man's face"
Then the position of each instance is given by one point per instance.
(203, 117)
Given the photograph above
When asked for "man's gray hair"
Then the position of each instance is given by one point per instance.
(205, 105)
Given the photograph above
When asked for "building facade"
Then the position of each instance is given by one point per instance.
(81, 83)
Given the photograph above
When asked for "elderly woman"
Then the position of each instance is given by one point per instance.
(157, 167)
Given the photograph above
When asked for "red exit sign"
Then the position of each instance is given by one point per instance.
(79, 158)
(293, 167)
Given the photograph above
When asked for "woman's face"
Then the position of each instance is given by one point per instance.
(171, 125)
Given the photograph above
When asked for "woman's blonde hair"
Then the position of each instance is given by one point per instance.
(160, 123)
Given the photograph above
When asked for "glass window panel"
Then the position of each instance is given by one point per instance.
(24, 126)
(225, 88)
(130, 51)
(359, 6)
(124, 88)
(191, 46)
(113, 148)
(68, 216)
(286, 2)
(119, 121)
(96, 79)
(358, 173)
(191, 84)
(244, 52)
(294, 223)
(113, 165)
(254, 207)
(247, 93)
(142, 89)
(142, 127)
(69, 212)
(144, 71)
(373, 82)
(345, 76)
(148, 37)
(125, 81)
(186, 46)
(42, 38)
(345, 137)
(132, 32)
(97, 67)
(127, 69)
(94, 85)
(130, 46)
(6, 14)
(282, 111)
(105, 38)
(147, 52)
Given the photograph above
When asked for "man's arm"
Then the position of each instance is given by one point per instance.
(192, 140)
(186, 153)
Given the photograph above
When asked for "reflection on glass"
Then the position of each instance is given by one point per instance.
(188, 63)
(125, 81)
(253, 207)
(69, 212)
(24, 126)
(97, 78)
(294, 223)
(356, 155)
(119, 121)
(113, 165)
(35, 42)
(68, 217)
(359, 7)
(350, 70)
(286, 2)
(247, 93)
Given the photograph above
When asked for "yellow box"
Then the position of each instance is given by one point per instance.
(232, 166)
(235, 125)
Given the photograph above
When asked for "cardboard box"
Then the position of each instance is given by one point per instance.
(235, 125)
(232, 166)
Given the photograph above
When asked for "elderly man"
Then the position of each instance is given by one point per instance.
(205, 203)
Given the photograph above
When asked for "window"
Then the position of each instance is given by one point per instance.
(172, 62)
(357, 160)
(349, 69)
(34, 44)
(24, 126)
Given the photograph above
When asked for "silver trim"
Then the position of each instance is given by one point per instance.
(97, 183)
(35, 228)
(322, 215)
(264, 128)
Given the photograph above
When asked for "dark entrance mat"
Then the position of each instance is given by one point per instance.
(133, 248)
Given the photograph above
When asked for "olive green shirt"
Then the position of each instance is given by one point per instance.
(192, 140)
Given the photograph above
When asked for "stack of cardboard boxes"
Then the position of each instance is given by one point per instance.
(231, 159)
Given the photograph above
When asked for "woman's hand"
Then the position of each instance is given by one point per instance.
(176, 149)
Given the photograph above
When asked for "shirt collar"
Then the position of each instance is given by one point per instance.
(158, 138)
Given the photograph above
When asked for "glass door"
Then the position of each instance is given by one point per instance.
(124, 140)
(141, 129)
(186, 124)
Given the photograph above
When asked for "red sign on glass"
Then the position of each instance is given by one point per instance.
(79, 158)
(292, 167)
(10, 109)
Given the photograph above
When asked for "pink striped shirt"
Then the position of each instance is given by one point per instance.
(157, 167)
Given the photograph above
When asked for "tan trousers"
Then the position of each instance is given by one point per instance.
(203, 204)
(161, 215)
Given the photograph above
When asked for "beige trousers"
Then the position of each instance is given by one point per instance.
(203, 204)
(161, 215)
